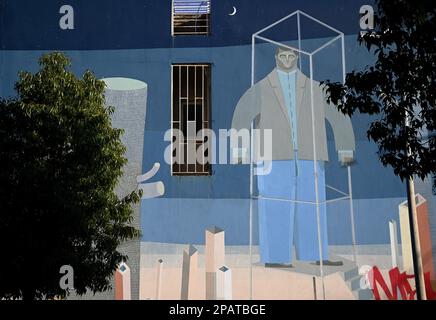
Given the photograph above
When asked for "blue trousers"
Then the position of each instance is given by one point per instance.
(283, 224)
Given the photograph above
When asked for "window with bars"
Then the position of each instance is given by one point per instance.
(190, 17)
(190, 114)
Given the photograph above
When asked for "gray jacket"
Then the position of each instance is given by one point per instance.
(265, 104)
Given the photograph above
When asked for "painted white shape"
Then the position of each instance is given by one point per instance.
(123, 289)
(406, 242)
(215, 259)
(152, 190)
(189, 273)
(150, 174)
(234, 12)
(394, 242)
(224, 283)
(124, 84)
(159, 279)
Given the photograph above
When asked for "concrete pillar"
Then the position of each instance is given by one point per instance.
(129, 99)
(215, 259)
(424, 237)
(394, 242)
(159, 279)
(123, 289)
(224, 283)
(189, 273)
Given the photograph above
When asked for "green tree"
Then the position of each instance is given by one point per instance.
(400, 85)
(399, 90)
(60, 160)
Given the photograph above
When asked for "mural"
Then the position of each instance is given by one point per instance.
(298, 233)
(283, 103)
(318, 218)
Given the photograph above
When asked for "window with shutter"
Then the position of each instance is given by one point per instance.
(191, 17)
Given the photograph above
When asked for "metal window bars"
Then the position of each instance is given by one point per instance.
(190, 114)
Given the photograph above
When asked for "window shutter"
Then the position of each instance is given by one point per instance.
(191, 17)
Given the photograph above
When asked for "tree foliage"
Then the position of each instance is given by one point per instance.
(60, 160)
(399, 89)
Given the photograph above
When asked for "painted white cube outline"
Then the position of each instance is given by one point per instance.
(261, 36)
(258, 35)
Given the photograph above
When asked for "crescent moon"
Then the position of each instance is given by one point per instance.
(234, 12)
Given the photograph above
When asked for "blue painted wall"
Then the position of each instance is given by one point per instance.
(182, 220)
(133, 24)
(132, 39)
(230, 79)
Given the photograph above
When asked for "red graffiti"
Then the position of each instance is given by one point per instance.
(399, 283)
(431, 294)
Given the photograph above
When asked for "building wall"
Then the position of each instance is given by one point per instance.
(132, 39)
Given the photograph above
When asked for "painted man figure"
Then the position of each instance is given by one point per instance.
(281, 102)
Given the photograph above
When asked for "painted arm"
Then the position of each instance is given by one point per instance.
(342, 131)
(150, 190)
(148, 175)
(247, 109)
